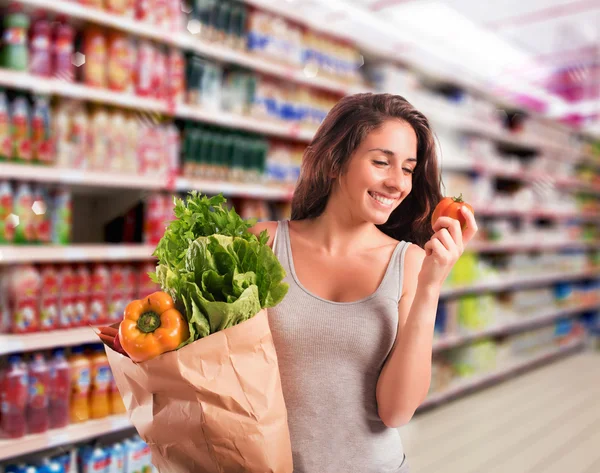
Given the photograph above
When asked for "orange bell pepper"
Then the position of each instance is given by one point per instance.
(151, 327)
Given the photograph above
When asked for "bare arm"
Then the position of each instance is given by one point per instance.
(404, 381)
(406, 376)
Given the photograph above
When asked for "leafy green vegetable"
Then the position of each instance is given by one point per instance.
(217, 272)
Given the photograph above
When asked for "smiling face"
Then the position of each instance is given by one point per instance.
(379, 174)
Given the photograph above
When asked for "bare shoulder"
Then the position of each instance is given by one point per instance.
(413, 261)
(270, 227)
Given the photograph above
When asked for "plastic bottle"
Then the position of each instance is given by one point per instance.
(49, 298)
(21, 130)
(5, 131)
(25, 230)
(95, 51)
(83, 280)
(67, 296)
(80, 385)
(98, 313)
(117, 406)
(24, 294)
(62, 53)
(117, 459)
(60, 393)
(38, 420)
(15, 383)
(100, 388)
(7, 229)
(120, 62)
(61, 218)
(40, 61)
(41, 139)
(41, 215)
(14, 54)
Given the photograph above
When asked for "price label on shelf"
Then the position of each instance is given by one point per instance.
(118, 252)
(59, 438)
(75, 254)
(72, 176)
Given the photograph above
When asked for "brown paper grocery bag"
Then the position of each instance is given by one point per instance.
(216, 405)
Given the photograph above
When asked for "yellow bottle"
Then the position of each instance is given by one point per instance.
(116, 401)
(80, 386)
(100, 388)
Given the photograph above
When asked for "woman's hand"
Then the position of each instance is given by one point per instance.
(445, 247)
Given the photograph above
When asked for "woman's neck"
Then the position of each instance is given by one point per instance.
(337, 231)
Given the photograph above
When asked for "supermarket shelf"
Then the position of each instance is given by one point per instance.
(40, 85)
(186, 41)
(50, 174)
(96, 179)
(513, 247)
(236, 189)
(44, 86)
(45, 340)
(10, 254)
(478, 382)
(292, 130)
(56, 438)
(506, 283)
(490, 211)
(526, 323)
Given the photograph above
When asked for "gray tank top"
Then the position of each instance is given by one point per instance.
(330, 356)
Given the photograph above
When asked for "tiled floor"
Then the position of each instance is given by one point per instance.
(545, 421)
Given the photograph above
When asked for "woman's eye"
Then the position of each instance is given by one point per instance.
(410, 171)
(381, 163)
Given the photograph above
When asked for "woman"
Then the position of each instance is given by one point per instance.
(354, 334)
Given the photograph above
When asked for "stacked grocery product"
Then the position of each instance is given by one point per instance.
(486, 356)
(129, 455)
(42, 392)
(59, 296)
(281, 40)
(34, 214)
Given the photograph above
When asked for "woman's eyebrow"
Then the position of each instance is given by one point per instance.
(391, 154)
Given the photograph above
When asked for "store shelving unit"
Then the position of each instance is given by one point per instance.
(186, 41)
(15, 254)
(474, 383)
(12, 343)
(520, 325)
(504, 283)
(58, 437)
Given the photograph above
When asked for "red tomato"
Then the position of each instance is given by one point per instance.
(450, 207)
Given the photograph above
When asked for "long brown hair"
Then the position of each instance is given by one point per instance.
(341, 133)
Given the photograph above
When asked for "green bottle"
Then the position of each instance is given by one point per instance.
(15, 54)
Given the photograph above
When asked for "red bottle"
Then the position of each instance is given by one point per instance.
(38, 420)
(40, 62)
(62, 53)
(13, 394)
(60, 390)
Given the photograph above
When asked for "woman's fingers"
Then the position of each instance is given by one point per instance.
(437, 248)
(451, 227)
(471, 228)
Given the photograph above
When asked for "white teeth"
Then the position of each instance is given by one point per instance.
(381, 199)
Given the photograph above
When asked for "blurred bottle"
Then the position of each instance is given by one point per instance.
(60, 394)
(7, 228)
(62, 52)
(39, 48)
(15, 383)
(100, 388)
(38, 420)
(80, 385)
(5, 131)
(49, 298)
(14, 53)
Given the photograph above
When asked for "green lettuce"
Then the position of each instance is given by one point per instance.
(218, 273)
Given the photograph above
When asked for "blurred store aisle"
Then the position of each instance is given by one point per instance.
(545, 421)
